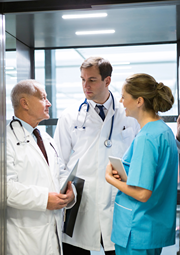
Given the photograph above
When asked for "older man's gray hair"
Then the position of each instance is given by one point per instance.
(24, 87)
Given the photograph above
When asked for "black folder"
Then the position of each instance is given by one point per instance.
(71, 214)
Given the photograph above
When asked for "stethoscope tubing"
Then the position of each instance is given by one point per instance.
(107, 142)
(11, 126)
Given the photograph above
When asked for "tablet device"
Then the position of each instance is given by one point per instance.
(118, 166)
(70, 178)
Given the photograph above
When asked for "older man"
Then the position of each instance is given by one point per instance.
(33, 177)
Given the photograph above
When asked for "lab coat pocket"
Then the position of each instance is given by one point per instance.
(121, 141)
(122, 221)
(127, 133)
(35, 240)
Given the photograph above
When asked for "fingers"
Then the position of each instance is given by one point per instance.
(70, 193)
(116, 175)
(56, 201)
(61, 196)
(60, 206)
(69, 187)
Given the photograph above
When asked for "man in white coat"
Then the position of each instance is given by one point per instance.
(33, 182)
(84, 134)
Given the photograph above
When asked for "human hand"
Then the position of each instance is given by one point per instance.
(111, 173)
(69, 192)
(116, 175)
(178, 129)
(56, 201)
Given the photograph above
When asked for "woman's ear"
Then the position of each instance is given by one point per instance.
(140, 101)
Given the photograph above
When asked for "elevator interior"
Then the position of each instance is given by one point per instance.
(39, 25)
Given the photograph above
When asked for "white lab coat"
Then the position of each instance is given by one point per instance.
(30, 226)
(96, 210)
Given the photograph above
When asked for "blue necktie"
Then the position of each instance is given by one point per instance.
(101, 113)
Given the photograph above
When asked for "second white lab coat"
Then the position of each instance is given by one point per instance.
(96, 210)
(30, 226)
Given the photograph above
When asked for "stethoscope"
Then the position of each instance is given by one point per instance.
(107, 142)
(25, 137)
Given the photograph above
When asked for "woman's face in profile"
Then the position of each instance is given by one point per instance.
(129, 103)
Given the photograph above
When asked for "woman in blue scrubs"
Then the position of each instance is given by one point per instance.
(145, 206)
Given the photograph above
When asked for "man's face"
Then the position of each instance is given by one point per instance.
(39, 105)
(94, 88)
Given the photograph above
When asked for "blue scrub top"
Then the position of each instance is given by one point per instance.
(151, 163)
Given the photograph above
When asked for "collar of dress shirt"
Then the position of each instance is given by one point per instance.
(28, 127)
(106, 104)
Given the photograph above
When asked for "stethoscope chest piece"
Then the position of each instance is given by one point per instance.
(108, 143)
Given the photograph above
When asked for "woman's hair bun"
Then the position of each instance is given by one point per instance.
(157, 97)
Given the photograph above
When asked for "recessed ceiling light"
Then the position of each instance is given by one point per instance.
(95, 32)
(84, 16)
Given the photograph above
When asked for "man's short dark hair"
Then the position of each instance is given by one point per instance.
(104, 66)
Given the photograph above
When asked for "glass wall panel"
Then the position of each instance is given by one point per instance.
(40, 66)
(11, 76)
(156, 60)
(11, 80)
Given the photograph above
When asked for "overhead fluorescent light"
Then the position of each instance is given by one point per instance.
(95, 32)
(85, 16)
